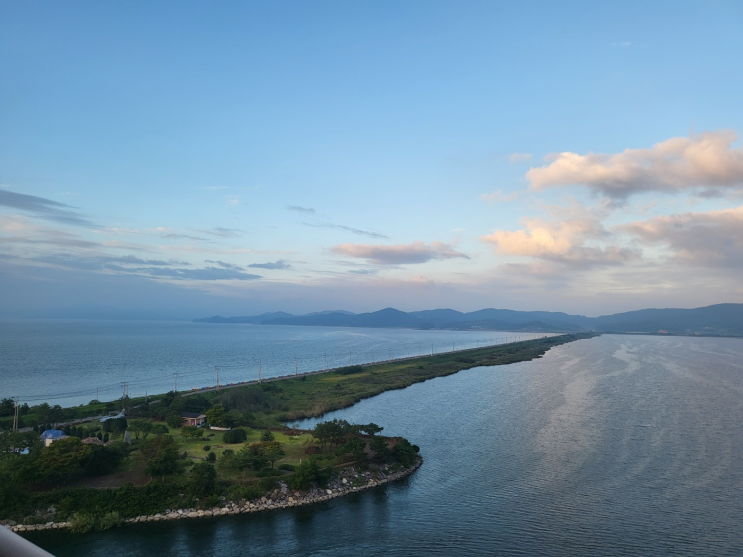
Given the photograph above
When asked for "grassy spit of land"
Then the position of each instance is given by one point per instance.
(152, 465)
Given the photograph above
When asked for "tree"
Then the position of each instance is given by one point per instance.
(371, 429)
(380, 448)
(267, 436)
(203, 479)
(63, 458)
(159, 429)
(160, 454)
(404, 452)
(173, 419)
(272, 451)
(103, 460)
(211, 457)
(235, 436)
(217, 416)
(137, 426)
(191, 432)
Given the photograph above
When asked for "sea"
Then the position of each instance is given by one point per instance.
(71, 362)
(615, 445)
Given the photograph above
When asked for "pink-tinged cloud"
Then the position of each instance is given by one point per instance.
(710, 239)
(707, 160)
(400, 254)
(561, 242)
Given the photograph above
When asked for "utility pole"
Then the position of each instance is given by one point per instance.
(296, 369)
(389, 350)
(260, 379)
(96, 394)
(326, 362)
(216, 369)
(15, 414)
(350, 358)
(431, 349)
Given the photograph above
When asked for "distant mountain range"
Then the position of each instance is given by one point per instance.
(719, 319)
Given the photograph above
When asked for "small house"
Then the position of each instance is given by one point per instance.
(193, 418)
(52, 435)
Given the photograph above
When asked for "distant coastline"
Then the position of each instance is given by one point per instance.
(723, 320)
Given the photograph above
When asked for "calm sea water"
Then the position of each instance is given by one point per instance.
(616, 445)
(64, 362)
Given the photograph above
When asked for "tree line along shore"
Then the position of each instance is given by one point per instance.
(96, 475)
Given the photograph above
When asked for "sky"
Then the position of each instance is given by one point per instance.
(185, 159)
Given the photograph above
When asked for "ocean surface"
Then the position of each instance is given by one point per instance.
(72, 362)
(617, 445)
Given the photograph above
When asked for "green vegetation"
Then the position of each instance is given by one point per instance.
(146, 466)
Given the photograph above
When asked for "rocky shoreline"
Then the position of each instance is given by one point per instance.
(347, 482)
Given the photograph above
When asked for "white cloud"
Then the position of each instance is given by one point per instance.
(517, 158)
(416, 252)
(498, 197)
(707, 160)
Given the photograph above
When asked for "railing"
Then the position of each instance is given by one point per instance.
(13, 545)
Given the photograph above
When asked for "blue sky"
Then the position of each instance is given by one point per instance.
(188, 158)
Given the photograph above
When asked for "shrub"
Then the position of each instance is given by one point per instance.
(159, 429)
(269, 473)
(287, 467)
(191, 432)
(350, 370)
(80, 523)
(267, 436)
(211, 457)
(207, 447)
(267, 484)
(109, 520)
(235, 436)
(465, 360)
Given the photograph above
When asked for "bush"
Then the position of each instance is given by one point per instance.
(287, 467)
(267, 436)
(267, 484)
(81, 523)
(464, 360)
(192, 432)
(203, 479)
(207, 447)
(109, 520)
(159, 429)
(235, 436)
(350, 370)
(269, 473)
(211, 457)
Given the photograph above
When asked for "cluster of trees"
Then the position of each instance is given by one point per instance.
(24, 459)
(347, 439)
(256, 455)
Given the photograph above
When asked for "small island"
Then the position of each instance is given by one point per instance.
(215, 451)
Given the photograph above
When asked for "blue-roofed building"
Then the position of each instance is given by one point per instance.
(52, 435)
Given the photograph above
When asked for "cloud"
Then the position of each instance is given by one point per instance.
(417, 252)
(43, 208)
(364, 271)
(517, 158)
(225, 265)
(175, 236)
(98, 262)
(707, 160)
(498, 197)
(560, 242)
(207, 273)
(711, 239)
(347, 229)
(297, 208)
(280, 264)
(221, 232)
